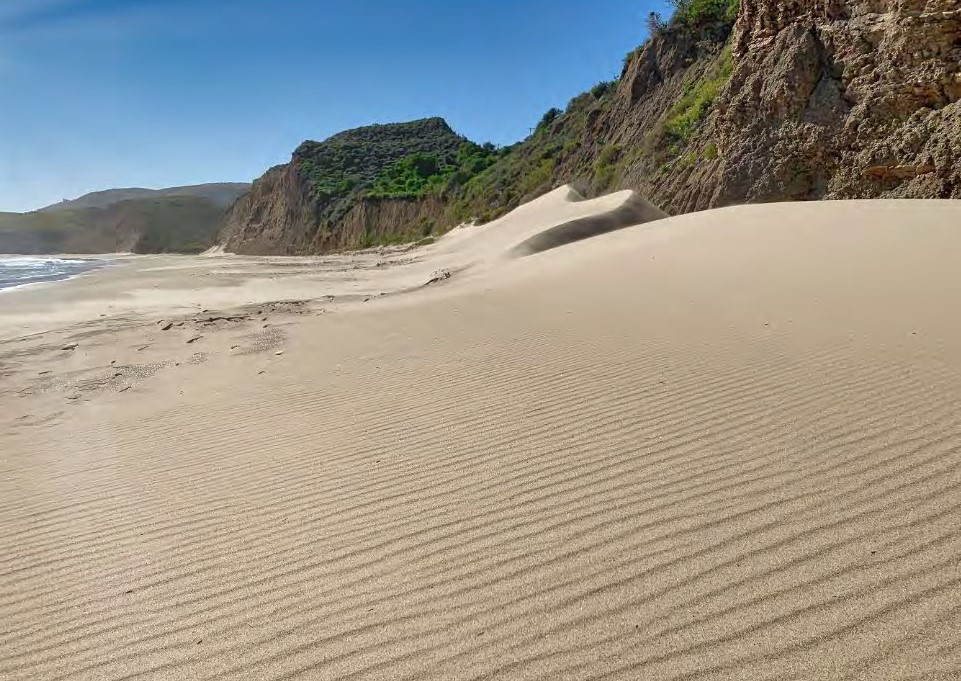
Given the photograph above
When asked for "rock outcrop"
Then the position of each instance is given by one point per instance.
(280, 216)
(824, 94)
(275, 216)
(806, 100)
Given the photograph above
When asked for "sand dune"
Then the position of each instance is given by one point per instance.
(721, 445)
(632, 210)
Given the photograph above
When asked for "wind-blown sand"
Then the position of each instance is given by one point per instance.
(721, 445)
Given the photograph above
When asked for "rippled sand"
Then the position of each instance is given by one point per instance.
(723, 445)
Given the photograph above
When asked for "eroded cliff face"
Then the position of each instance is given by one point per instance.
(278, 216)
(378, 220)
(275, 217)
(831, 99)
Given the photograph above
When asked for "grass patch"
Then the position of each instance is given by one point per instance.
(538, 177)
(605, 168)
(684, 118)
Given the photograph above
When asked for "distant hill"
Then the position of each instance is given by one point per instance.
(157, 224)
(171, 220)
(221, 193)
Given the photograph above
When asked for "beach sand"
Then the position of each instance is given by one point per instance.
(725, 445)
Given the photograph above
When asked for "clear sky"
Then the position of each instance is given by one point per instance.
(154, 93)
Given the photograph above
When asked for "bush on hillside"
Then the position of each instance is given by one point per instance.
(549, 117)
(419, 174)
(700, 12)
(605, 168)
(699, 97)
(603, 88)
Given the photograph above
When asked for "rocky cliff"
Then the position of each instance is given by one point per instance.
(281, 215)
(833, 99)
(726, 103)
(375, 184)
(793, 101)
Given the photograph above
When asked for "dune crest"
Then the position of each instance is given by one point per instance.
(634, 210)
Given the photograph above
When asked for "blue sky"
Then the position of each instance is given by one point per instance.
(153, 93)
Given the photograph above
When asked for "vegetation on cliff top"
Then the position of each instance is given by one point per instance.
(709, 18)
(347, 165)
(419, 174)
(397, 160)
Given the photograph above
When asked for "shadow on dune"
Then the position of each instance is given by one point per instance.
(634, 211)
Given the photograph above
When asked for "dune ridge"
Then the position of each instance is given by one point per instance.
(722, 445)
(634, 210)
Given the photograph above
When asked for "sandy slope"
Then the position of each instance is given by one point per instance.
(723, 445)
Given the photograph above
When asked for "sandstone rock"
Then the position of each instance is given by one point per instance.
(902, 172)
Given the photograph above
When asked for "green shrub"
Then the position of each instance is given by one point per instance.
(688, 160)
(697, 13)
(605, 168)
(538, 178)
(608, 155)
(426, 227)
(549, 117)
(412, 176)
(696, 102)
(419, 174)
(602, 88)
(552, 150)
(710, 152)
(580, 103)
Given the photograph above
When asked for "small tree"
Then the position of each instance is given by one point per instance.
(655, 24)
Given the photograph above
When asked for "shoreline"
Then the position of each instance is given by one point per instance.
(98, 263)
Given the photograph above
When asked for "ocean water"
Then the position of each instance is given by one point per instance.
(16, 271)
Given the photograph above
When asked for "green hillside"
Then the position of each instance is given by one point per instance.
(396, 160)
(221, 193)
